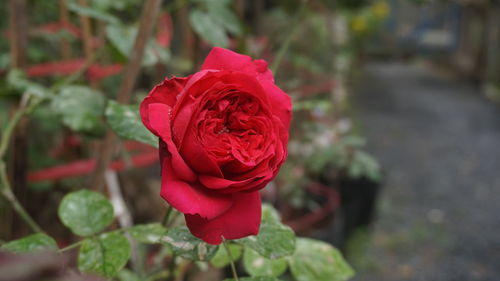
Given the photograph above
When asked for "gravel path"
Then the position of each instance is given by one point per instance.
(438, 140)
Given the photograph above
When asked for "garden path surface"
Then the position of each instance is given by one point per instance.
(438, 141)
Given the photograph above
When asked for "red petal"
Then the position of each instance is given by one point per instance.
(197, 157)
(281, 103)
(159, 122)
(219, 183)
(166, 92)
(191, 198)
(224, 59)
(241, 220)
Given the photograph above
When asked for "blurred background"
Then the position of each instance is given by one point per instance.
(393, 153)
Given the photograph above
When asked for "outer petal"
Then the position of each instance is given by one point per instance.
(224, 59)
(160, 125)
(166, 92)
(241, 220)
(190, 198)
(220, 183)
(281, 103)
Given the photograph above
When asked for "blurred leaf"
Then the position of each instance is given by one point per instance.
(184, 244)
(275, 240)
(259, 278)
(257, 265)
(4, 60)
(17, 80)
(81, 109)
(208, 28)
(127, 275)
(85, 212)
(31, 243)
(93, 13)
(104, 255)
(220, 11)
(319, 261)
(221, 258)
(270, 214)
(126, 123)
(148, 233)
(123, 37)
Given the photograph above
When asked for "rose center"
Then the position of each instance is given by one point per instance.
(233, 129)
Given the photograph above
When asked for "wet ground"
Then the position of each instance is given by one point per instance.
(438, 140)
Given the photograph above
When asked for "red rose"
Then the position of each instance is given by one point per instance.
(223, 136)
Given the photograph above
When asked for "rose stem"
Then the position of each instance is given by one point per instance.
(231, 261)
(166, 217)
(9, 195)
(27, 106)
(108, 146)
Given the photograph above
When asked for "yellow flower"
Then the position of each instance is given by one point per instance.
(381, 9)
(358, 24)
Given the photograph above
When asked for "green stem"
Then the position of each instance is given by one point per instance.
(31, 104)
(231, 261)
(72, 246)
(6, 191)
(286, 44)
(9, 129)
(166, 217)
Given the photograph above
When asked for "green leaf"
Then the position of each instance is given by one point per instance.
(93, 13)
(123, 37)
(127, 275)
(104, 255)
(257, 265)
(258, 278)
(270, 214)
(85, 212)
(148, 233)
(319, 261)
(31, 243)
(17, 80)
(184, 244)
(275, 240)
(221, 259)
(208, 28)
(81, 109)
(126, 123)
(224, 16)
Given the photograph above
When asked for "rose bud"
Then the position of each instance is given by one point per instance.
(223, 135)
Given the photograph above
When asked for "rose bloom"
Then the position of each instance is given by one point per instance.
(223, 136)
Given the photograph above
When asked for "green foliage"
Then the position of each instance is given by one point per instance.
(85, 212)
(347, 155)
(207, 28)
(184, 244)
(122, 38)
(213, 20)
(221, 258)
(81, 109)
(127, 275)
(93, 13)
(352, 4)
(31, 243)
(17, 80)
(275, 240)
(148, 233)
(257, 265)
(319, 261)
(259, 278)
(126, 123)
(105, 254)
(270, 214)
